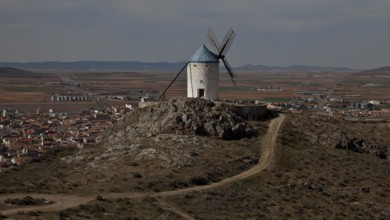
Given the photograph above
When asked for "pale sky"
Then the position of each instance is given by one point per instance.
(338, 33)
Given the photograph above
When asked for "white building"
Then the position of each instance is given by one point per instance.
(203, 75)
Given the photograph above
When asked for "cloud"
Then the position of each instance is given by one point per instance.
(172, 29)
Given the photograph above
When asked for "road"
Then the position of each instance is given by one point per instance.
(64, 201)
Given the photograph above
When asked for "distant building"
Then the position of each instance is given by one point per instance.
(10, 112)
(102, 116)
(374, 102)
(71, 98)
(363, 105)
(51, 113)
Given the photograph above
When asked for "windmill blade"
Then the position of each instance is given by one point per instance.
(229, 70)
(178, 74)
(229, 43)
(213, 41)
(228, 37)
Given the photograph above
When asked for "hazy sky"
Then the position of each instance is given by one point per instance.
(350, 33)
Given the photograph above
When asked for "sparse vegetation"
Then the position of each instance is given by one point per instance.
(121, 208)
(308, 181)
(310, 178)
(26, 201)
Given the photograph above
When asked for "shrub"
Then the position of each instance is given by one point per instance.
(137, 175)
(28, 200)
(199, 180)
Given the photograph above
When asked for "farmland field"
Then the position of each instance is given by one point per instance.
(31, 92)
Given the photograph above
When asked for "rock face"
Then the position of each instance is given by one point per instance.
(359, 145)
(341, 134)
(188, 117)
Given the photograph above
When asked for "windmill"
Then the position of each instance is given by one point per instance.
(203, 68)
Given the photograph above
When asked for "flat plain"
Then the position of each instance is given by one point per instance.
(28, 92)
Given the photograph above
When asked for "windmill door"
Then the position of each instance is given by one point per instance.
(200, 93)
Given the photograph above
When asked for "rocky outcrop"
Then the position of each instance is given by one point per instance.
(359, 145)
(341, 134)
(187, 117)
(172, 132)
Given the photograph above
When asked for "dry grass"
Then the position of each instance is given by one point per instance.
(221, 159)
(306, 182)
(20, 90)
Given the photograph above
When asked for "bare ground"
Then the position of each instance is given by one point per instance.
(67, 201)
(308, 178)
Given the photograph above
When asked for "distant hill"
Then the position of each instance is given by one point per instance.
(14, 72)
(294, 68)
(97, 65)
(136, 65)
(377, 71)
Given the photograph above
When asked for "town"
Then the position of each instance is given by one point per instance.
(26, 136)
(371, 110)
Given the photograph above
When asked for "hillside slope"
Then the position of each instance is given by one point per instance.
(18, 73)
(311, 179)
(176, 144)
(324, 168)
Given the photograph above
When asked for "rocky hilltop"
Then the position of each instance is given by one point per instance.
(175, 131)
(173, 144)
(186, 116)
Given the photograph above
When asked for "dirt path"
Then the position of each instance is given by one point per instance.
(267, 156)
(174, 209)
(62, 201)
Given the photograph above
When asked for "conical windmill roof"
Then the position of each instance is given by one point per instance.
(204, 55)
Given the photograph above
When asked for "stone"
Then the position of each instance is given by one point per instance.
(189, 116)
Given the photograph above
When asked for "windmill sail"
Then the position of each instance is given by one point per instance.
(177, 75)
(229, 70)
(223, 48)
(213, 41)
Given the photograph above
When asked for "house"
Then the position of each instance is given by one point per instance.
(102, 116)
(10, 112)
(374, 102)
(369, 105)
(47, 140)
(89, 140)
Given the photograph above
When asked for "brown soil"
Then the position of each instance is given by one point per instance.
(307, 179)
(67, 201)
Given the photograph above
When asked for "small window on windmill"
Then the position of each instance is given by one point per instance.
(194, 65)
(201, 81)
(207, 65)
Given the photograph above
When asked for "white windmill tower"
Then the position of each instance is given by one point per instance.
(203, 68)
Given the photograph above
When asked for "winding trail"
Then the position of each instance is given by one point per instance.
(164, 204)
(64, 201)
